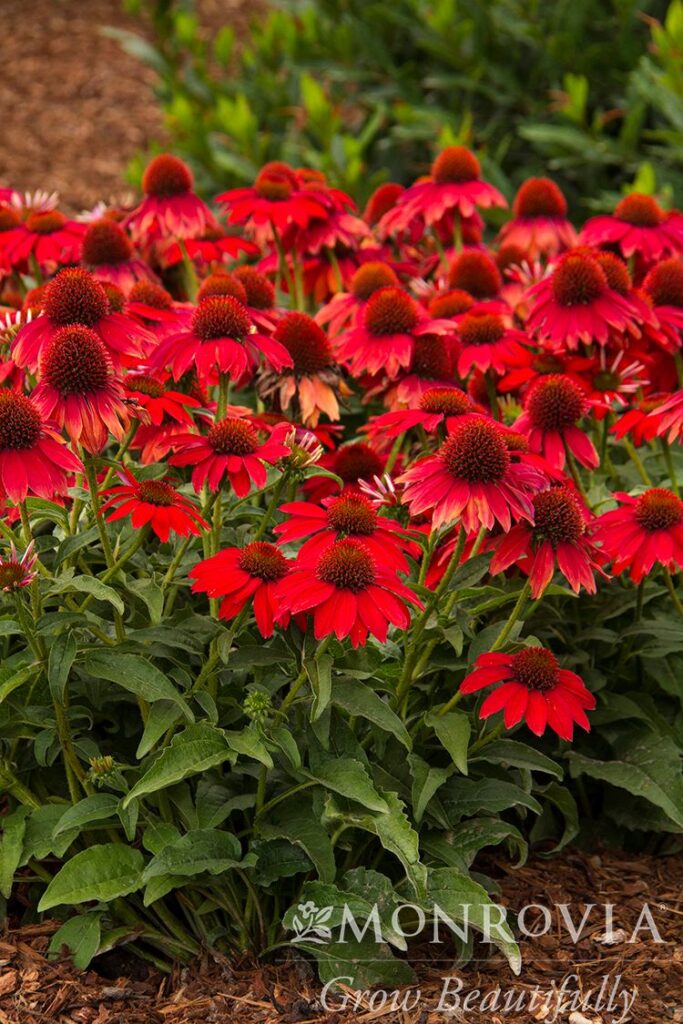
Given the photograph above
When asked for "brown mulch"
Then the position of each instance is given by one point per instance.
(76, 108)
(35, 991)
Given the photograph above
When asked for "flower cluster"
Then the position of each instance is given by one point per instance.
(385, 393)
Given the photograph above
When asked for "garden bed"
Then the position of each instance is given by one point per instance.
(34, 990)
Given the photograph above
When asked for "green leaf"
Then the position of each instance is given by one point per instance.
(249, 744)
(39, 841)
(163, 715)
(60, 660)
(151, 595)
(649, 767)
(358, 699)
(465, 901)
(394, 832)
(297, 823)
(88, 585)
(453, 731)
(93, 808)
(460, 845)
(349, 778)
(196, 749)
(198, 851)
(426, 781)
(13, 830)
(136, 675)
(81, 935)
(319, 672)
(464, 797)
(519, 755)
(103, 873)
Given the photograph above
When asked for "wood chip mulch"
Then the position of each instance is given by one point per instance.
(36, 991)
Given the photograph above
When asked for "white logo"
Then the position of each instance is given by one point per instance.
(310, 923)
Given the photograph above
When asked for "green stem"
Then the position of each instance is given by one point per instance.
(666, 452)
(91, 476)
(576, 476)
(637, 461)
(675, 599)
(515, 615)
(272, 506)
(489, 737)
(412, 652)
(455, 699)
(140, 539)
(10, 783)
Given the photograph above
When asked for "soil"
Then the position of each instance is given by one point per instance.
(36, 991)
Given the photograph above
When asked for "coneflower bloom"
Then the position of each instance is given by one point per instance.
(608, 381)
(170, 209)
(558, 537)
(383, 199)
(638, 226)
(241, 575)
(454, 185)
(450, 304)
(108, 255)
(348, 591)
(159, 402)
(276, 201)
(472, 478)
(553, 407)
(15, 572)
(666, 417)
(575, 303)
(529, 364)
(432, 365)
(153, 502)
(646, 530)
(223, 282)
(78, 389)
(46, 237)
(34, 459)
(75, 297)
(532, 688)
(487, 344)
(212, 247)
(539, 225)
(351, 463)
(664, 285)
(346, 515)
(385, 341)
(221, 339)
(314, 379)
(259, 290)
(437, 407)
(348, 307)
(233, 449)
(476, 272)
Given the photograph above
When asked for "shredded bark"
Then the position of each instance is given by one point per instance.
(34, 990)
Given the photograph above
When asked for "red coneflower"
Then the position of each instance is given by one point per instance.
(212, 247)
(78, 389)
(314, 379)
(345, 307)
(664, 285)
(450, 304)
(222, 282)
(472, 478)
(432, 365)
(170, 209)
(276, 200)
(75, 297)
(383, 199)
(232, 448)
(221, 339)
(346, 515)
(240, 575)
(607, 384)
(539, 226)
(159, 402)
(475, 272)
(45, 236)
(156, 502)
(575, 303)
(558, 536)
(437, 407)
(17, 573)
(260, 291)
(348, 591)
(666, 417)
(529, 364)
(108, 255)
(642, 421)
(33, 457)
(553, 406)
(533, 688)
(454, 185)
(385, 341)
(646, 530)
(351, 463)
(487, 344)
(638, 226)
